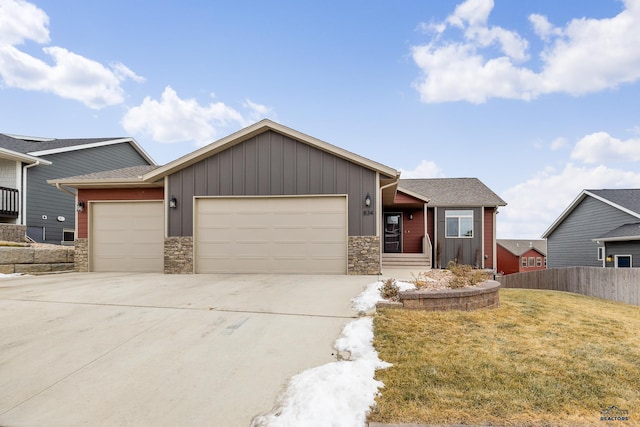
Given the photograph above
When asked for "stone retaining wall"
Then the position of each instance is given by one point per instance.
(485, 295)
(364, 255)
(35, 260)
(13, 233)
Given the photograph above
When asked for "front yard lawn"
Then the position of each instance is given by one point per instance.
(542, 358)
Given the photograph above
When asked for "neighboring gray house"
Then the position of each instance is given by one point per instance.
(598, 229)
(26, 163)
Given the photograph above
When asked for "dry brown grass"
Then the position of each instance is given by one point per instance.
(543, 358)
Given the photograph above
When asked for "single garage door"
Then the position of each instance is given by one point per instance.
(127, 236)
(271, 235)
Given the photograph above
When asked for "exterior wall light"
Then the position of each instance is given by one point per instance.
(80, 206)
(367, 200)
(609, 258)
(173, 203)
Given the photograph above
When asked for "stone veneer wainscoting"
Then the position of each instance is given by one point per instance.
(364, 255)
(81, 255)
(13, 233)
(178, 255)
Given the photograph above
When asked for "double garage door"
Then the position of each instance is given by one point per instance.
(271, 235)
(231, 235)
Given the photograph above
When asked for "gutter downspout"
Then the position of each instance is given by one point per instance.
(23, 211)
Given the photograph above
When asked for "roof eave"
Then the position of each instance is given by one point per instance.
(20, 157)
(616, 239)
(107, 183)
(131, 141)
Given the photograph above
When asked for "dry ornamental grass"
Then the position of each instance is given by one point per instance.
(543, 358)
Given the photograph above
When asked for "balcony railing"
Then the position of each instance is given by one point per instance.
(9, 202)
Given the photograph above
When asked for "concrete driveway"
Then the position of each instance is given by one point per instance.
(152, 349)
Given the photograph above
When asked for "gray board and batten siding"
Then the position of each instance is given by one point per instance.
(570, 244)
(470, 248)
(45, 199)
(272, 164)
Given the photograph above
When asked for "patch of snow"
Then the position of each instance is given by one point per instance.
(10, 275)
(338, 394)
(371, 295)
(335, 394)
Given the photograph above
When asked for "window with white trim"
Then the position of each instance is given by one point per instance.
(601, 253)
(532, 261)
(524, 261)
(538, 261)
(459, 223)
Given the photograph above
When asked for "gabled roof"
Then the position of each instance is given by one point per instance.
(125, 177)
(625, 200)
(36, 147)
(623, 233)
(519, 247)
(20, 157)
(258, 128)
(443, 192)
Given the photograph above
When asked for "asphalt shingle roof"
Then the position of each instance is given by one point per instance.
(627, 198)
(624, 231)
(518, 247)
(124, 173)
(25, 145)
(453, 191)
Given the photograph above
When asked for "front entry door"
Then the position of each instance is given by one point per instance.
(393, 232)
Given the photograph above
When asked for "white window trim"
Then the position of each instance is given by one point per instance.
(447, 216)
(624, 256)
(601, 253)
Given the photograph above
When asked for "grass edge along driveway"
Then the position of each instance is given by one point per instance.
(542, 358)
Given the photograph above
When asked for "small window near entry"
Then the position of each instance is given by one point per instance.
(601, 253)
(68, 235)
(459, 224)
(538, 262)
(532, 261)
(524, 261)
(623, 261)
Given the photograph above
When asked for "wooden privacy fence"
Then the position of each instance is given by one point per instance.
(615, 284)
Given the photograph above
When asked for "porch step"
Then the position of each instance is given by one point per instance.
(406, 260)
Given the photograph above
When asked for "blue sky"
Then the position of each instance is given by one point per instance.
(537, 98)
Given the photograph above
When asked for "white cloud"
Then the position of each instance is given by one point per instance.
(586, 55)
(536, 203)
(559, 143)
(601, 147)
(258, 111)
(173, 119)
(71, 76)
(426, 169)
(20, 21)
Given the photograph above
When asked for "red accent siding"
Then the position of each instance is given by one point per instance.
(489, 235)
(508, 263)
(90, 195)
(403, 199)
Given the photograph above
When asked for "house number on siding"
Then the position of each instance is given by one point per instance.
(367, 213)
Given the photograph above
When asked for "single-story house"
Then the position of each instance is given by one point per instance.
(27, 163)
(598, 229)
(521, 256)
(271, 199)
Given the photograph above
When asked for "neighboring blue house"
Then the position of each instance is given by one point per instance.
(26, 163)
(600, 228)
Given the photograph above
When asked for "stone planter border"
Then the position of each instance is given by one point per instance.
(485, 295)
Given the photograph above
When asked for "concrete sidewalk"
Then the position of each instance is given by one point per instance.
(152, 349)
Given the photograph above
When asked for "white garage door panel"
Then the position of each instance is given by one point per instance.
(127, 236)
(271, 235)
